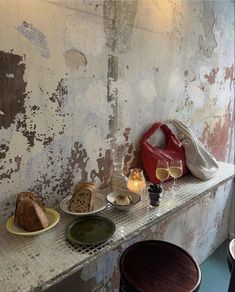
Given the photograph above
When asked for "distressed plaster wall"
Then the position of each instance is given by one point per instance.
(75, 74)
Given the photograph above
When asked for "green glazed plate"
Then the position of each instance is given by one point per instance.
(90, 230)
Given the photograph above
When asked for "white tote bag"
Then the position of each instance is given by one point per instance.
(200, 162)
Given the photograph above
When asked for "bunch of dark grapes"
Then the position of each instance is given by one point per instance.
(154, 188)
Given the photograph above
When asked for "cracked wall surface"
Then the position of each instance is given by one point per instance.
(76, 74)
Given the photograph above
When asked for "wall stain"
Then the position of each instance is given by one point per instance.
(207, 43)
(29, 129)
(229, 75)
(21, 126)
(62, 185)
(10, 171)
(12, 89)
(74, 59)
(132, 155)
(217, 139)
(110, 29)
(60, 94)
(212, 75)
(126, 133)
(35, 36)
(119, 18)
(104, 168)
(77, 161)
(3, 150)
(188, 102)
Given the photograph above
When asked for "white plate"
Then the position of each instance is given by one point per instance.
(52, 215)
(99, 205)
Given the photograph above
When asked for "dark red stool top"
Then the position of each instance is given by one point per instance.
(159, 266)
(231, 263)
(232, 249)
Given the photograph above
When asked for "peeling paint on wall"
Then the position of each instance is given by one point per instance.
(15, 167)
(34, 36)
(110, 28)
(60, 94)
(229, 75)
(119, 20)
(60, 183)
(207, 42)
(12, 89)
(104, 164)
(219, 135)
(212, 75)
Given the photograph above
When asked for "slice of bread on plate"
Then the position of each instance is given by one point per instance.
(30, 214)
(83, 198)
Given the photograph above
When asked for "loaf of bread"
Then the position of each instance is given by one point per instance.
(30, 213)
(83, 198)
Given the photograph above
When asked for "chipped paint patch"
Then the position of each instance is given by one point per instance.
(207, 42)
(34, 36)
(15, 167)
(10, 75)
(104, 267)
(104, 166)
(119, 20)
(12, 89)
(132, 153)
(212, 75)
(74, 59)
(217, 139)
(62, 172)
(60, 94)
(76, 162)
(229, 75)
(229, 72)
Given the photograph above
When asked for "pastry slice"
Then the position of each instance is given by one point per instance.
(29, 195)
(30, 214)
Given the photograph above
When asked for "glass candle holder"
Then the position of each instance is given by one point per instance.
(136, 181)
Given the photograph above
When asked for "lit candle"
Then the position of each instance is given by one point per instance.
(136, 181)
(135, 185)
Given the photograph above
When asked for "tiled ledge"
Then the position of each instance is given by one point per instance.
(39, 262)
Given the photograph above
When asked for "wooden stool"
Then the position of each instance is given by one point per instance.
(231, 264)
(158, 266)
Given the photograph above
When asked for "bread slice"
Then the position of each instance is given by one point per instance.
(83, 198)
(30, 213)
(23, 195)
(84, 185)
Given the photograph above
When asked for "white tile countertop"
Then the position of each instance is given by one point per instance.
(28, 263)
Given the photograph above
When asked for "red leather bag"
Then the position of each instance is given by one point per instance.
(150, 154)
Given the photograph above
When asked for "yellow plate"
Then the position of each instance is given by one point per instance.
(52, 215)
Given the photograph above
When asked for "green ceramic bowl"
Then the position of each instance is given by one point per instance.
(90, 230)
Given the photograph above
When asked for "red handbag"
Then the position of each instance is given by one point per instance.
(150, 154)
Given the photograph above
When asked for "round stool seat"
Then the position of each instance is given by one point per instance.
(231, 264)
(158, 266)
